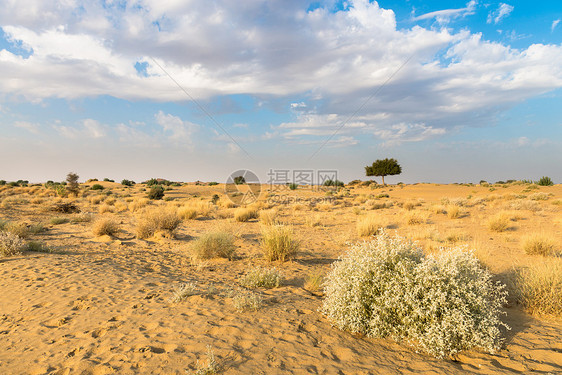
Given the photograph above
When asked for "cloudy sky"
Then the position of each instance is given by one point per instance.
(456, 91)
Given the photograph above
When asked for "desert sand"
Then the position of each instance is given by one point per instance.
(101, 304)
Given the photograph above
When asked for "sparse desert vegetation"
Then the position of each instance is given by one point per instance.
(192, 269)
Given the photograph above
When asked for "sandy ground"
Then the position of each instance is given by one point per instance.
(102, 304)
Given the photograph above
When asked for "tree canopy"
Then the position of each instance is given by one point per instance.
(383, 167)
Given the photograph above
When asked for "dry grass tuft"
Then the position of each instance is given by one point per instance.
(158, 219)
(369, 225)
(453, 212)
(269, 217)
(244, 214)
(210, 245)
(416, 218)
(105, 208)
(279, 243)
(313, 221)
(313, 282)
(539, 287)
(539, 244)
(499, 222)
(138, 203)
(105, 226)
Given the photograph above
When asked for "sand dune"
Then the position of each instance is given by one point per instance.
(102, 306)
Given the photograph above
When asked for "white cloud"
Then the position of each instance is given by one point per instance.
(445, 15)
(31, 127)
(333, 60)
(502, 12)
(88, 129)
(177, 130)
(554, 25)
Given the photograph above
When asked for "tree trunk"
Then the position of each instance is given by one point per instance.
(383, 184)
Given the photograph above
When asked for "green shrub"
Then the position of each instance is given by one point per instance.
(127, 183)
(545, 181)
(213, 183)
(336, 183)
(293, 186)
(97, 187)
(259, 277)
(156, 192)
(441, 303)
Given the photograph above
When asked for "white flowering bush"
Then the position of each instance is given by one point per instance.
(441, 303)
(10, 244)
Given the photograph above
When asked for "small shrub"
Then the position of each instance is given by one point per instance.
(156, 192)
(97, 187)
(212, 367)
(182, 292)
(525, 205)
(213, 183)
(17, 228)
(545, 181)
(539, 244)
(539, 196)
(499, 222)
(210, 245)
(335, 183)
(58, 220)
(38, 247)
(369, 225)
(259, 277)
(278, 242)
(409, 206)
(293, 186)
(105, 226)
(416, 218)
(441, 303)
(10, 244)
(243, 300)
(243, 214)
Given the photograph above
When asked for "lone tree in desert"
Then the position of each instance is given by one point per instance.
(383, 167)
(72, 183)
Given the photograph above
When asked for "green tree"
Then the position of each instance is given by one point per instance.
(72, 183)
(383, 167)
(239, 180)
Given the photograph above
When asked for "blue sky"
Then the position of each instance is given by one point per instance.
(455, 90)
